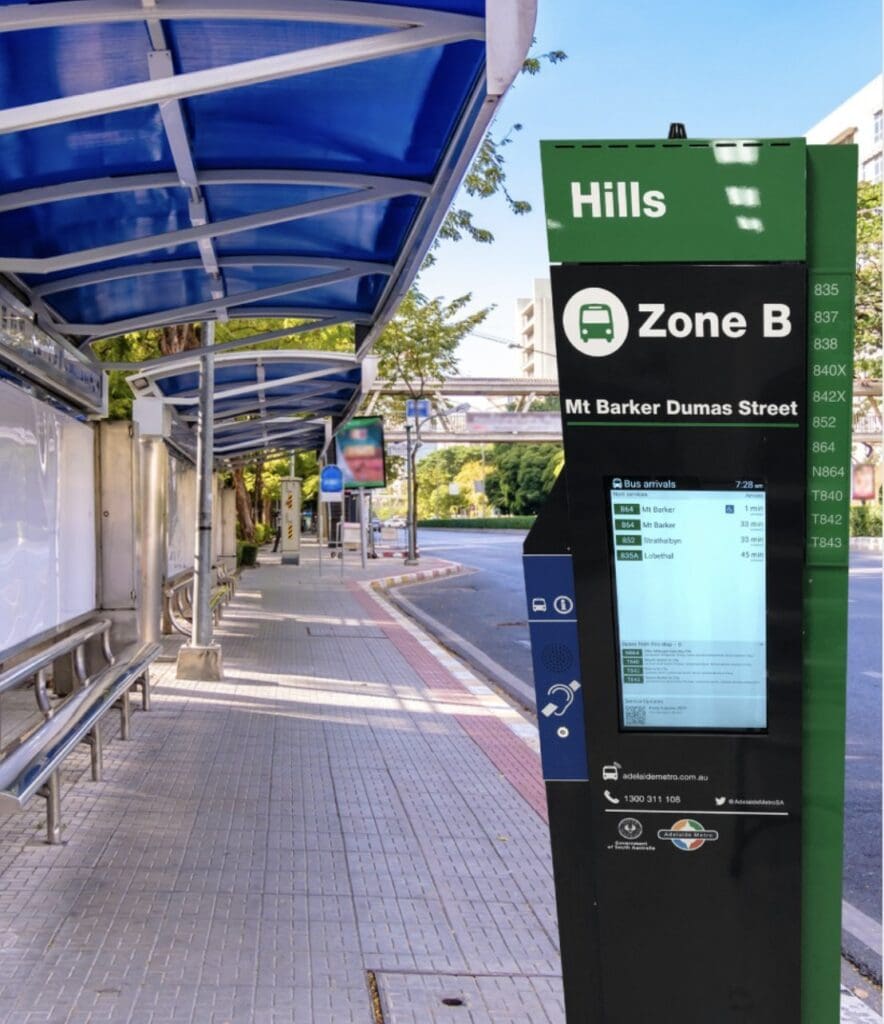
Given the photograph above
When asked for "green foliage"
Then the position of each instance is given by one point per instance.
(439, 470)
(470, 482)
(338, 338)
(489, 523)
(128, 348)
(307, 468)
(865, 520)
(419, 345)
(549, 403)
(487, 174)
(523, 476)
(140, 346)
(532, 64)
(868, 280)
(517, 479)
(246, 553)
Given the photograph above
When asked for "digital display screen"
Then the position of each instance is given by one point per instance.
(689, 574)
(361, 453)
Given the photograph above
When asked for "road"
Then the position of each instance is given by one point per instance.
(487, 609)
(862, 800)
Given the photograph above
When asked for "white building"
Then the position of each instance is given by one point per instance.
(535, 332)
(857, 120)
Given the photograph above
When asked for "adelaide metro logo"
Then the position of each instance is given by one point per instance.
(688, 834)
(595, 322)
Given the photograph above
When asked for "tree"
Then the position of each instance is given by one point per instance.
(487, 174)
(867, 350)
(549, 403)
(137, 347)
(523, 476)
(419, 345)
(472, 473)
(436, 473)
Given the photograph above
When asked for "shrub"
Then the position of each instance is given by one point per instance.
(263, 533)
(496, 523)
(865, 520)
(246, 553)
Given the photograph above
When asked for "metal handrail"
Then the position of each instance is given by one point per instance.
(46, 636)
(183, 579)
(37, 663)
(178, 593)
(17, 760)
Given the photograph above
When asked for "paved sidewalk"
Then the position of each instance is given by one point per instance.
(348, 813)
(349, 828)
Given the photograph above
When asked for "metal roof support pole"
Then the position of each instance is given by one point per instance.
(201, 658)
(153, 423)
(154, 469)
(202, 618)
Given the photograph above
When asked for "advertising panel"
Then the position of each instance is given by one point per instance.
(47, 522)
(863, 482)
(360, 446)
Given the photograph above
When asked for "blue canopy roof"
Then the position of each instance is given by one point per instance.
(169, 161)
(262, 400)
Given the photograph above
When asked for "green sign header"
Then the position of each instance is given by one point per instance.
(675, 201)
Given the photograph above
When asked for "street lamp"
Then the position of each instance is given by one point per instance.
(411, 475)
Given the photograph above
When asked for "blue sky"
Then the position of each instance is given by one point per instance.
(755, 68)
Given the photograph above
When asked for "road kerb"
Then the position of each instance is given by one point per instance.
(419, 576)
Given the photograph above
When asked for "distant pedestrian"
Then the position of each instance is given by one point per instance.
(278, 538)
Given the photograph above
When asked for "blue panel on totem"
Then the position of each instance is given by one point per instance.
(552, 623)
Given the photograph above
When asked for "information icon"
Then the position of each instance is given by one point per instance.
(563, 604)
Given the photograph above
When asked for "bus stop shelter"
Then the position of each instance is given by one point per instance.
(166, 162)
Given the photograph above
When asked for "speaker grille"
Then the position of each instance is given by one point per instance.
(557, 658)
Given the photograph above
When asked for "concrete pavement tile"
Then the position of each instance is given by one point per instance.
(265, 840)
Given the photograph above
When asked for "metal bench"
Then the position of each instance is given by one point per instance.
(31, 765)
(227, 579)
(178, 596)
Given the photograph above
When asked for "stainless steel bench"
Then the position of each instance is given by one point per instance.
(178, 597)
(31, 765)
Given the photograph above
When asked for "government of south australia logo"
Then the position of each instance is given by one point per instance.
(630, 828)
(595, 322)
(688, 834)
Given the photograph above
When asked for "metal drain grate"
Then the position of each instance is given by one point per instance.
(452, 998)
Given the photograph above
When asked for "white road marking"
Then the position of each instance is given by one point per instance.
(861, 926)
(855, 1011)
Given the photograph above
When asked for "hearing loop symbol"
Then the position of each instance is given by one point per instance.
(561, 698)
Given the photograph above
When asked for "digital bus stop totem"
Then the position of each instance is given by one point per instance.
(687, 579)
